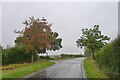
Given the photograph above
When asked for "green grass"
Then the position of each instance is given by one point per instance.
(24, 70)
(92, 70)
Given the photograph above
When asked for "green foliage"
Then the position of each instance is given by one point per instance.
(108, 58)
(18, 40)
(45, 58)
(92, 39)
(92, 71)
(38, 36)
(1, 56)
(1, 49)
(16, 55)
(56, 45)
(55, 34)
(88, 52)
(25, 69)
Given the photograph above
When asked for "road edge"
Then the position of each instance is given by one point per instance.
(40, 71)
(83, 70)
(35, 73)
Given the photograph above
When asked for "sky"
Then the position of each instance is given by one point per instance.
(68, 19)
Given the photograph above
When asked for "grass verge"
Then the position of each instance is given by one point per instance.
(24, 70)
(92, 71)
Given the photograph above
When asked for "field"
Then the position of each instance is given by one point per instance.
(17, 71)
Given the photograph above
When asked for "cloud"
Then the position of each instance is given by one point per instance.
(68, 19)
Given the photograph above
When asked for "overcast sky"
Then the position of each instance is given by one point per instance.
(68, 19)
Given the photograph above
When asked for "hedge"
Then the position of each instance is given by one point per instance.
(108, 58)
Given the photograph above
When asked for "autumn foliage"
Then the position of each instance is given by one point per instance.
(38, 36)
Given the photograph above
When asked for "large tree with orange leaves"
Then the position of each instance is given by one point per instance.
(38, 36)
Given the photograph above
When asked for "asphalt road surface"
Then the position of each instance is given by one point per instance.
(66, 69)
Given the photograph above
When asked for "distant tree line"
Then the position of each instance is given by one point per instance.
(71, 55)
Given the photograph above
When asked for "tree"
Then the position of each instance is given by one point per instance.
(87, 52)
(1, 48)
(92, 39)
(56, 45)
(37, 36)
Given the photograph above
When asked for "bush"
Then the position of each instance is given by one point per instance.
(16, 55)
(45, 57)
(108, 59)
(1, 55)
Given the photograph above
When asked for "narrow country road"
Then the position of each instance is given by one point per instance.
(66, 69)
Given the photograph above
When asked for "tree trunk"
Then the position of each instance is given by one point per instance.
(44, 50)
(32, 58)
(93, 55)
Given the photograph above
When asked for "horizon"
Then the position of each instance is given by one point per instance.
(68, 19)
